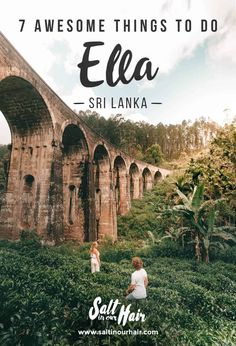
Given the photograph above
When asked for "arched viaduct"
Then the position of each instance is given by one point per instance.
(64, 180)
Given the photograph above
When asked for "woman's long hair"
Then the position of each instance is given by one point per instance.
(93, 246)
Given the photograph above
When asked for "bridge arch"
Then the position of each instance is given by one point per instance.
(23, 107)
(73, 138)
(134, 181)
(157, 177)
(58, 165)
(31, 128)
(147, 179)
(72, 123)
(75, 183)
(120, 184)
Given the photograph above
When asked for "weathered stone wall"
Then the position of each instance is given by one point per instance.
(65, 181)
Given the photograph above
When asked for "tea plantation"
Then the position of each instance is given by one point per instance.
(46, 294)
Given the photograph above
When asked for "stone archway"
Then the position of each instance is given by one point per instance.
(134, 181)
(23, 107)
(104, 199)
(157, 177)
(147, 179)
(31, 128)
(120, 184)
(48, 167)
(75, 184)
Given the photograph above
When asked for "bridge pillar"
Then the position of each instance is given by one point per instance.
(134, 184)
(122, 195)
(32, 199)
(105, 212)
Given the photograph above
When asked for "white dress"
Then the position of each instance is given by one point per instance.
(95, 267)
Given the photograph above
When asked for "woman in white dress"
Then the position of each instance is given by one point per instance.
(95, 258)
(139, 281)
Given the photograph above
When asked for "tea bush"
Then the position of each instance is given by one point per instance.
(46, 294)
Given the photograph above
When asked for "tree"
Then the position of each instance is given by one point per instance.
(153, 155)
(212, 235)
(201, 215)
(192, 210)
(174, 140)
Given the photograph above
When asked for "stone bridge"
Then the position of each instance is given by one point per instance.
(64, 180)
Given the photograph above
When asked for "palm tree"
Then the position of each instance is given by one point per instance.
(192, 209)
(202, 216)
(211, 235)
(183, 185)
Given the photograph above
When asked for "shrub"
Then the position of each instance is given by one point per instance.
(46, 294)
(30, 239)
(167, 248)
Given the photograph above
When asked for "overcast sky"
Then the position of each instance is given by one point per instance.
(196, 69)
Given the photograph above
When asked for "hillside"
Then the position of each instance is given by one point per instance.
(154, 144)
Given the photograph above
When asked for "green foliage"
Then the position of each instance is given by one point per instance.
(153, 155)
(167, 248)
(198, 212)
(225, 142)
(4, 157)
(202, 216)
(150, 214)
(46, 294)
(29, 239)
(4, 163)
(149, 142)
(216, 169)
